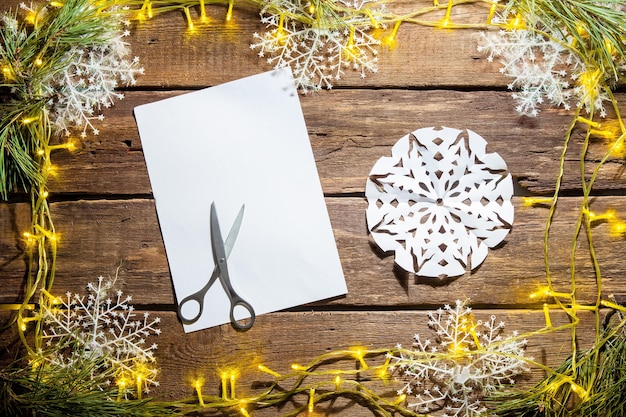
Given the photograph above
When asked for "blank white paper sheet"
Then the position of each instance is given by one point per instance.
(243, 142)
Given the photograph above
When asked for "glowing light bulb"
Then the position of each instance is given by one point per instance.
(516, 23)
(297, 367)
(29, 120)
(390, 41)
(337, 382)
(197, 384)
(492, 11)
(268, 371)
(229, 13)
(188, 17)
(311, 405)
(533, 201)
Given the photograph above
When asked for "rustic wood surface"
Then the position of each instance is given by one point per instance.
(103, 207)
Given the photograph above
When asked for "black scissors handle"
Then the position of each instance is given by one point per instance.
(197, 297)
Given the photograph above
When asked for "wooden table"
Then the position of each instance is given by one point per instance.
(104, 209)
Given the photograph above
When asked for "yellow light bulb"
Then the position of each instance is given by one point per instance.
(229, 13)
(268, 371)
(532, 201)
(311, 405)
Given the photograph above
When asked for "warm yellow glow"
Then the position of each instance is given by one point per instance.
(516, 23)
(533, 201)
(588, 122)
(607, 134)
(224, 383)
(446, 20)
(197, 385)
(390, 41)
(244, 412)
(38, 62)
(311, 8)
(29, 120)
(337, 382)
(268, 371)
(57, 4)
(297, 367)
(401, 399)
(618, 229)
(457, 349)
(546, 314)
(232, 378)
(311, 405)
(492, 11)
(580, 391)
(359, 353)
(229, 13)
(589, 81)
(188, 17)
(542, 292)
(608, 215)
(373, 21)
(203, 17)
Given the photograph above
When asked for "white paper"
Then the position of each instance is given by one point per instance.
(439, 202)
(243, 142)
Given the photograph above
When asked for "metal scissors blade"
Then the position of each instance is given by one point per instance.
(219, 252)
(198, 297)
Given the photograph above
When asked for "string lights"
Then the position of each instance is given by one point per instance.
(314, 382)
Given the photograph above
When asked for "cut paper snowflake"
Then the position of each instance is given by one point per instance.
(468, 360)
(102, 327)
(439, 202)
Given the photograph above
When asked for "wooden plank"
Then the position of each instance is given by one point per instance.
(278, 340)
(350, 130)
(218, 52)
(99, 236)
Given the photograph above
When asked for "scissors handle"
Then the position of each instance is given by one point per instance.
(197, 297)
(243, 324)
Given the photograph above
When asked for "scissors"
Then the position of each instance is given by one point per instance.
(221, 251)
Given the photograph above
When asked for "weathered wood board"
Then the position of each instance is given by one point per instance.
(103, 208)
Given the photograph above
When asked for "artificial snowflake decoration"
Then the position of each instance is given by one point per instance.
(102, 327)
(320, 52)
(539, 65)
(87, 83)
(468, 360)
(439, 201)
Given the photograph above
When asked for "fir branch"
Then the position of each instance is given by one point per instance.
(50, 390)
(597, 28)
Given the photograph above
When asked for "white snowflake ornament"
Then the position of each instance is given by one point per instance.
(439, 201)
(106, 327)
(468, 360)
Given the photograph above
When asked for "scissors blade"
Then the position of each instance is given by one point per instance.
(222, 249)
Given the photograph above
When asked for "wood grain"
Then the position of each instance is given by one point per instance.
(103, 208)
(350, 130)
(99, 236)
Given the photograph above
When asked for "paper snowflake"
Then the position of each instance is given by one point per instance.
(468, 360)
(439, 202)
(102, 327)
(319, 53)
